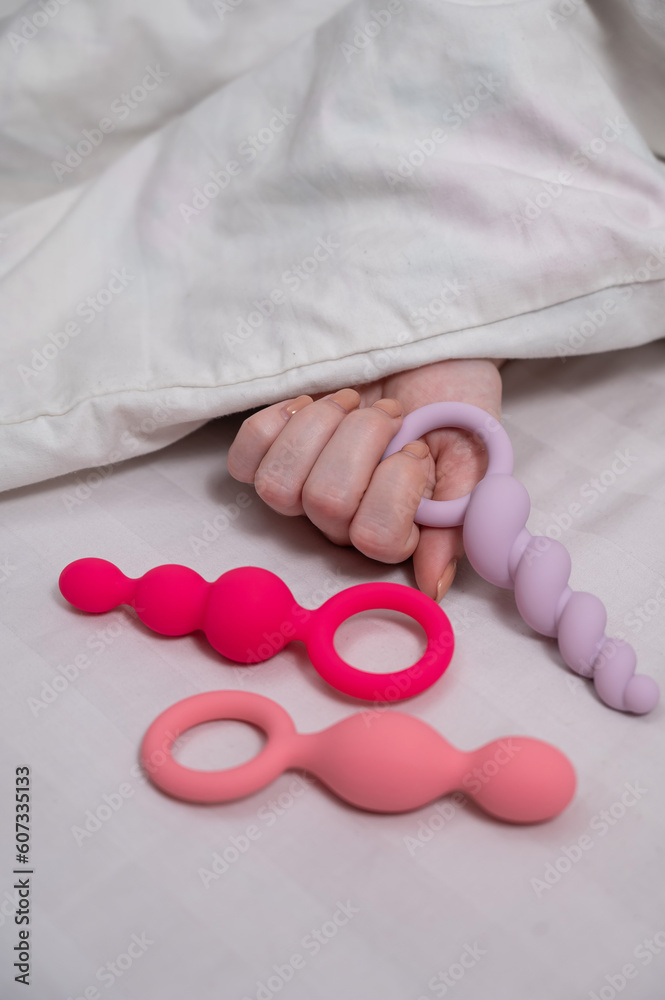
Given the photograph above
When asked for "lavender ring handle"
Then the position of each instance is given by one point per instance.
(504, 552)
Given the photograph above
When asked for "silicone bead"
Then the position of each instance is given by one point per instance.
(493, 522)
(249, 614)
(386, 762)
(539, 585)
(504, 552)
(582, 620)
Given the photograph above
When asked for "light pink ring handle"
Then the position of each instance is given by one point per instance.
(448, 513)
(232, 783)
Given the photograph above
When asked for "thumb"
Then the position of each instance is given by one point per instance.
(435, 559)
(460, 465)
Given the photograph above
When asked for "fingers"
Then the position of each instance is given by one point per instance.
(316, 463)
(341, 475)
(461, 464)
(323, 461)
(288, 462)
(383, 527)
(256, 435)
(435, 559)
(323, 458)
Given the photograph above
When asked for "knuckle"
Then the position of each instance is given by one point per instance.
(327, 501)
(275, 492)
(258, 428)
(369, 418)
(374, 540)
(341, 541)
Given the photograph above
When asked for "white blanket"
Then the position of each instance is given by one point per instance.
(211, 206)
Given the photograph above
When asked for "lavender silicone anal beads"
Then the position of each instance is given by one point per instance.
(504, 552)
(386, 762)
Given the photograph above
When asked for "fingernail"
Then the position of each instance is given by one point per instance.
(390, 406)
(345, 399)
(446, 579)
(292, 406)
(416, 448)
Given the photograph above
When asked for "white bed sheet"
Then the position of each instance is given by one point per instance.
(411, 913)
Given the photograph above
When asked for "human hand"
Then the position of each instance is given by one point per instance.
(320, 456)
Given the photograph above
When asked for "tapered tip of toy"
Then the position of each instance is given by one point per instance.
(642, 694)
(94, 585)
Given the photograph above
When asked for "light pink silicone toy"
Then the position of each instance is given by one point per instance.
(385, 762)
(249, 614)
(503, 551)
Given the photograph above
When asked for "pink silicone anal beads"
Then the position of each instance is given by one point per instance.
(385, 762)
(503, 551)
(249, 614)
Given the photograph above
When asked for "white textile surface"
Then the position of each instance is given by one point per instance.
(212, 206)
(428, 904)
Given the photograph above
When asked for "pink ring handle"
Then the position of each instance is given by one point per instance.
(389, 686)
(449, 513)
(232, 783)
(249, 614)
